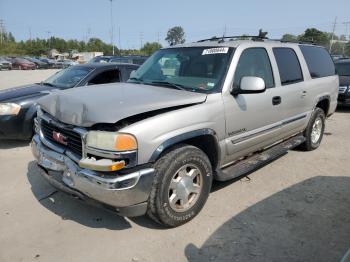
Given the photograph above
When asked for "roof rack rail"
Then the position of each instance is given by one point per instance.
(239, 37)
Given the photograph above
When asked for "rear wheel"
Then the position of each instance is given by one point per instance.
(181, 187)
(314, 131)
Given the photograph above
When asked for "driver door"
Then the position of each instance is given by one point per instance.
(253, 121)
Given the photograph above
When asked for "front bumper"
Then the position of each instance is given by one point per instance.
(127, 194)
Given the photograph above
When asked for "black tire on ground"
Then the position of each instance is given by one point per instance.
(181, 170)
(317, 118)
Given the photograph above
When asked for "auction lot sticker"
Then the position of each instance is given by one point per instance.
(218, 50)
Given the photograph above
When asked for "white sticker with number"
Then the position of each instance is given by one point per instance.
(217, 50)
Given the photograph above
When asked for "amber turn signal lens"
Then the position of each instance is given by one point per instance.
(125, 142)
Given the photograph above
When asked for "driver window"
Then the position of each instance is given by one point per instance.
(110, 76)
(254, 62)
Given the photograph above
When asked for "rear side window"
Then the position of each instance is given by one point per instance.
(318, 60)
(288, 66)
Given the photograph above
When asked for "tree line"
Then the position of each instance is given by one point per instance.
(176, 35)
(339, 46)
(39, 47)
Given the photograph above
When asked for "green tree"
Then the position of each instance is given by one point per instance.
(150, 48)
(347, 49)
(175, 35)
(316, 36)
(289, 38)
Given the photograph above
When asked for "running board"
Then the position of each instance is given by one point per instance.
(258, 160)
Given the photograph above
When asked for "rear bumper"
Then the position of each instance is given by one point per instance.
(126, 194)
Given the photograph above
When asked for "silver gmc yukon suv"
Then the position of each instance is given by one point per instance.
(216, 109)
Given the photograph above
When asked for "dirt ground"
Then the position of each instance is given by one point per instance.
(294, 209)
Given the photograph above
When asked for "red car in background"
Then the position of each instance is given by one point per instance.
(22, 64)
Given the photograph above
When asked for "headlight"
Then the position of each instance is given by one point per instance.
(111, 141)
(9, 109)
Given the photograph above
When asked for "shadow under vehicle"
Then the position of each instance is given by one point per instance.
(309, 221)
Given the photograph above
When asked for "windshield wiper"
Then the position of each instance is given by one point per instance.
(136, 79)
(168, 84)
(47, 84)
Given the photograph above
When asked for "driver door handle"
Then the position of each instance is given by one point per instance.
(276, 100)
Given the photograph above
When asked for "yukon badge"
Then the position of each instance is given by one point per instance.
(58, 137)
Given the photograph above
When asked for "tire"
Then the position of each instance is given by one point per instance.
(314, 131)
(173, 181)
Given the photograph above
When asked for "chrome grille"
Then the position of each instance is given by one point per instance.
(73, 139)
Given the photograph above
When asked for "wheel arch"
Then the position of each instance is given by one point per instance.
(204, 139)
(324, 103)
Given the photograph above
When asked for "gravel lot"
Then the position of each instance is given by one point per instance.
(16, 78)
(295, 209)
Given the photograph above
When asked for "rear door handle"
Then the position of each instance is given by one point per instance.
(276, 100)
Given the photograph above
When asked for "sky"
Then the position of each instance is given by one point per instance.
(140, 21)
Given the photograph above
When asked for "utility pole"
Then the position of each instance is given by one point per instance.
(2, 31)
(120, 45)
(48, 37)
(112, 27)
(333, 32)
(224, 31)
(158, 37)
(141, 39)
(346, 35)
(30, 36)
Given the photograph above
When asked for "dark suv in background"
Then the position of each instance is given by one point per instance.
(343, 70)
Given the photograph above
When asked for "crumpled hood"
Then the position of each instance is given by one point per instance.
(86, 106)
(22, 91)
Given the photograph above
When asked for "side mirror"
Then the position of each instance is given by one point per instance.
(250, 85)
(132, 74)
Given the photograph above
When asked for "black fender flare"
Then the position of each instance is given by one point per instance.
(28, 120)
(183, 137)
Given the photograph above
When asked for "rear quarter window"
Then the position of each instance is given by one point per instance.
(318, 60)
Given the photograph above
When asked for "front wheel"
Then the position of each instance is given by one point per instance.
(314, 131)
(181, 187)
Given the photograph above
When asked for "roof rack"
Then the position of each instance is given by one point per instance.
(232, 38)
(253, 38)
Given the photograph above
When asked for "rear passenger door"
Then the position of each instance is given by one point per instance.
(293, 92)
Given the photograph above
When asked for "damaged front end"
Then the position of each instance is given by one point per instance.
(96, 164)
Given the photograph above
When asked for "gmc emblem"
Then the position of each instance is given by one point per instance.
(58, 137)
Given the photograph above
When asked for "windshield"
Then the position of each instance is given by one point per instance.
(68, 78)
(198, 69)
(343, 69)
(100, 59)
